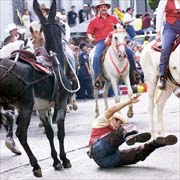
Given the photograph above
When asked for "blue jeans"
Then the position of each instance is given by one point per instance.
(100, 46)
(130, 30)
(105, 155)
(169, 34)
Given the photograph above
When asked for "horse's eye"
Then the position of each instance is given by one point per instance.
(116, 38)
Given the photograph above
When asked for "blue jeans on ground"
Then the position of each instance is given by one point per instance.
(100, 46)
(105, 155)
(169, 34)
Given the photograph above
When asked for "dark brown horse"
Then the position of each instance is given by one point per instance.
(28, 89)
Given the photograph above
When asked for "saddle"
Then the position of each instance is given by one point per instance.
(157, 47)
(34, 61)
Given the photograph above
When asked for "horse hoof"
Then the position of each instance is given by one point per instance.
(130, 113)
(37, 173)
(10, 144)
(58, 166)
(67, 164)
(75, 107)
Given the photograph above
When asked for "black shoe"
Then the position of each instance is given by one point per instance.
(162, 83)
(139, 138)
(163, 141)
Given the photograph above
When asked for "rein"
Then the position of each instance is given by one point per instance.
(9, 69)
(117, 68)
(120, 72)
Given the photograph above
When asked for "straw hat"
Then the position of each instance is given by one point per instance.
(10, 27)
(118, 116)
(102, 2)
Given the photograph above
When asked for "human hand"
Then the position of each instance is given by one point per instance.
(134, 98)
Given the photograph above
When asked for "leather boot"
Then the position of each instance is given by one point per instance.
(134, 155)
(162, 83)
(164, 141)
(139, 138)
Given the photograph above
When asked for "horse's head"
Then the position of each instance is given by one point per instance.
(52, 30)
(35, 29)
(118, 41)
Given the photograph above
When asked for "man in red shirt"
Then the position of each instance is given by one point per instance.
(110, 130)
(170, 9)
(98, 30)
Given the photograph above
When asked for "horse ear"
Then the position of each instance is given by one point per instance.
(38, 11)
(31, 29)
(52, 12)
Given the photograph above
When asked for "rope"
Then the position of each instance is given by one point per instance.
(66, 88)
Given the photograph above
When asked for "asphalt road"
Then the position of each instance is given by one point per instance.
(162, 164)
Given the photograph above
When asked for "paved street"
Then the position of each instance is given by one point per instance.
(162, 164)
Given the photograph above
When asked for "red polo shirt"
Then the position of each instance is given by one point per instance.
(100, 27)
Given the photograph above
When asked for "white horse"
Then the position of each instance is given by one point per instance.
(115, 67)
(150, 60)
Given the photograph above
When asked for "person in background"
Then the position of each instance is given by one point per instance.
(110, 130)
(72, 16)
(83, 14)
(146, 23)
(84, 73)
(128, 21)
(13, 31)
(171, 10)
(65, 40)
(98, 30)
(26, 19)
(137, 24)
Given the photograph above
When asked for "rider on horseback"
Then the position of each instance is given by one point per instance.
(98, 30)
(171, 29)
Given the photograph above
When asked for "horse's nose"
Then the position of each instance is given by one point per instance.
(122, 55)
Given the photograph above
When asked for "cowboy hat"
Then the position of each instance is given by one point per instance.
(102, 2)
(118, 116)
(10, 27)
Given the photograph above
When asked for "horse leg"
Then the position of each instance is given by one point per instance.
(9, 142)
(130, 112)
(161, 101)
(43, 115)
(96, 92)
(61, 134)
(151, 92)
(115, 89)
(106, 87)
(23, 121)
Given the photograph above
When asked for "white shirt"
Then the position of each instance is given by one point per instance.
(128, 17)
(161, 13)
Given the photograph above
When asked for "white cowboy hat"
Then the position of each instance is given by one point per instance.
(102, 2)
(118, 116)
(10, 27)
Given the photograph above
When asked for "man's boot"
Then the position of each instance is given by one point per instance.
(139, 138)
(134, 155)
(162, 82)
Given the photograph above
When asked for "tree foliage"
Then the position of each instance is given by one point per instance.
(153, 4)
